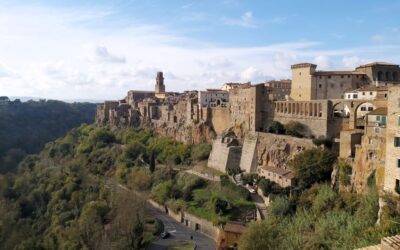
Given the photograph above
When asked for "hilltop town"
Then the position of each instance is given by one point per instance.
(347, 108)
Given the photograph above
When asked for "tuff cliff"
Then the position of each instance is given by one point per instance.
(277, 150)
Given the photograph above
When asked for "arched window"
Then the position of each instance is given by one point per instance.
(395, 76)
(380, 76)
(388, 76)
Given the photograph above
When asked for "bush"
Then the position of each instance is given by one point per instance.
(345, 171)
(311, 166)
(200, 152)
(322, 140)
(276, 128)
(295, 129)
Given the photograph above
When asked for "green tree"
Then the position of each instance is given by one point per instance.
(296, 129)
(311, 166)
(276, 128)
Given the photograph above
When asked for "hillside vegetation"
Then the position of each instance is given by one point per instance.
(25, 127)
(67, 196)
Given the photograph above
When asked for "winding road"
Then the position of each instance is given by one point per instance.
(178, 232)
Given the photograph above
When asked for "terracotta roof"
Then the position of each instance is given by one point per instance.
(303, 65)
(279, 171)
(377, 63)
(338, 72)
(371, 88)
(378, 111)
(234, 227)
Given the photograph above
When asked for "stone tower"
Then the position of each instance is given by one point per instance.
(160, 87)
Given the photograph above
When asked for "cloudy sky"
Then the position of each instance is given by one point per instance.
(91, 49)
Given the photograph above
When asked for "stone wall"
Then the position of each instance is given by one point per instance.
(219, 118)
(248, 161)
(195, 223)
(392, 170)
(224, 155)
(277, 150)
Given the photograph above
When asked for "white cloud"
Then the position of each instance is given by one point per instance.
(95, 53)
(323, 62)
(378, 38)
(252, 74)
(353, 61)
(246, 20)
(44, 56)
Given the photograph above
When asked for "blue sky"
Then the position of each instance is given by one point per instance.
(101, 49)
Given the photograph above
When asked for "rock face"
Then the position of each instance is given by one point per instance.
(258, 150)
(177, 116)
(369, 161)
(277, 150)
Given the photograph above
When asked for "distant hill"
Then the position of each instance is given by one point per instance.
(25, 127)
(28, 98)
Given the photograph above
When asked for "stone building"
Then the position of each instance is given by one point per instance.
(380, 73)
(310, 84)
(160, 87)
(279, 90)
(283, 177)
(370, 153)
(234, 85)
(392, 161)
(248, 108)
(213, 98)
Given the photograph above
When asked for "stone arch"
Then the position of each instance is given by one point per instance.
(388, 76)
(380, 76)
(395, 76)
(339, 111)
(360, 112)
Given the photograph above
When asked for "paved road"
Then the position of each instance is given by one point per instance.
(178, 232)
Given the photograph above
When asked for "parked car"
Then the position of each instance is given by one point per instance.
(165, 235)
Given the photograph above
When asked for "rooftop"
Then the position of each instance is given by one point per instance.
(338, 72)
(234, 227)
(378, 111)
(279, 171)
(377, 63)
(371, 88)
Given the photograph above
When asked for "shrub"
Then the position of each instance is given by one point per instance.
(345, 171)
(322, 140)
(295, 129)
(311, 166)
(200, 152)
(276, 128)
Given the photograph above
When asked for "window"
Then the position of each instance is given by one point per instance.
(363, 108)
(349, 96)
(363, 93)
(370, 93)
(398, 163)
(377, 130)
(355, 96)
(378, 118)
(397, 186)
(397, 141)
(320, 85)
(370, 108)
(329, 77)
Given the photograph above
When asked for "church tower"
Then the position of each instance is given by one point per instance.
(160, 87)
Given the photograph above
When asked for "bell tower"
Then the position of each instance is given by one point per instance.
(160, 87)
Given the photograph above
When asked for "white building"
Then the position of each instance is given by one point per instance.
(213, 98)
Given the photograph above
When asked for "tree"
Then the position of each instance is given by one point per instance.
(276, 128)
(295, 129)
(311, 166)
(152, 165)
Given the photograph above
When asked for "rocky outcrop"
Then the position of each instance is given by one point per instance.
(277, 150)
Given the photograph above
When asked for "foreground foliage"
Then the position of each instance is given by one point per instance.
(26, 127)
